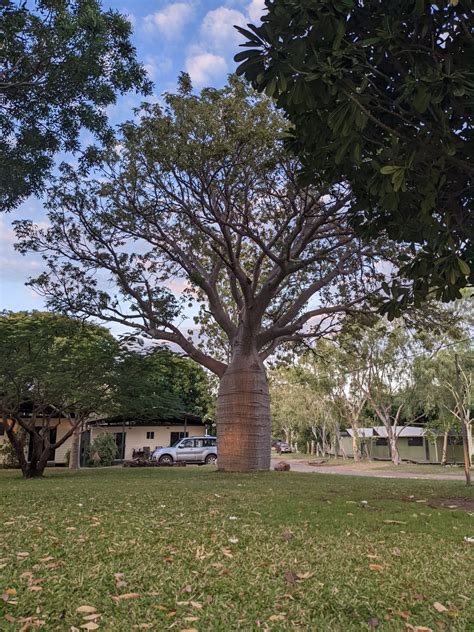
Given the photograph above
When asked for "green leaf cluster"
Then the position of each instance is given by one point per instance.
(63, 63)
(379, 95)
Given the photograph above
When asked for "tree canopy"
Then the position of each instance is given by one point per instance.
(63, 63)
(51, 367)
(55, 367)
(200, 207)
(378, 96)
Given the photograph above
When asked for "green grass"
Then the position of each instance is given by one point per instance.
(302, 560)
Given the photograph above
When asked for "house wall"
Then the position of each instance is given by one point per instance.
(410, 453)
(135, 437)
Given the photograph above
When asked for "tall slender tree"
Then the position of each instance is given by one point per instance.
(201, 196)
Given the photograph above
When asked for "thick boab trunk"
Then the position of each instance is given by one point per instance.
(243, 417)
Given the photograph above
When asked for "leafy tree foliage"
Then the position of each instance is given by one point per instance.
(201, 197)
(378, 96)
(159, 383)
(63, 62)
(51, 367)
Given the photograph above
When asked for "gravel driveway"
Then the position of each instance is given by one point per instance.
(369, 470)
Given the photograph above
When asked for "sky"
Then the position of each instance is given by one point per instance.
(196, 36)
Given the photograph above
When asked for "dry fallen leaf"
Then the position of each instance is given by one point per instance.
(373, 622)
(126, 596)
(90, 625)
(277, 617)
(86, 609)
(190, 619)
(9, 618)
(376, 567)
(189, 629)
(396, 551)
(439, 607)
(196, 604)
(92, 617)
(290, 577)
(306, 575)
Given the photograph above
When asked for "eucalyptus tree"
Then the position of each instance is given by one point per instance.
(200, 206)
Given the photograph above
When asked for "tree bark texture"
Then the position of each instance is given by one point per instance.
(74, 453)
(393, 447)
(243, 416)
(444, 456)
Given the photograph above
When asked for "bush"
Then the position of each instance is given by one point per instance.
(8, 457)
(102, 451)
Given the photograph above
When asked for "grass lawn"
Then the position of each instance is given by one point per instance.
(193, 549)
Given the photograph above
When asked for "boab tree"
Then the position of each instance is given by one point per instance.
(201, 196)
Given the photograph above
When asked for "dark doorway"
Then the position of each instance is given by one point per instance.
(176, 436)
(120, 443)
(85, 443)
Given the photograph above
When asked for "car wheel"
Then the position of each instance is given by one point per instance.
(166, 458)
(210, 459)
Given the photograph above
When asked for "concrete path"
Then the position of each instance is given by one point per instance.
(348, 470)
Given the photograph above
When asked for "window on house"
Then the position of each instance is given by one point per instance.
(415, 441)
(381, 441)
(150, 435)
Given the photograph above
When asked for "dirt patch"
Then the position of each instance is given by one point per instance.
(460, 504)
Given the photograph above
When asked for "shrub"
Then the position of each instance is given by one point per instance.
(8, 457)
(102, 451)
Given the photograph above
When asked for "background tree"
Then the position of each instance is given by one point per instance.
(378, 96)
(51, 367)
(63, 62)
(202, 196)
(299, 410)
(445, 380)
(159, 383)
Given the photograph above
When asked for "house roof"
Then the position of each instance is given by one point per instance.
(402, 431)
(381, 431)
(177, 420)
(366, 433)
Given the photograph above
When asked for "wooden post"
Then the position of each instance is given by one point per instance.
(465, 438)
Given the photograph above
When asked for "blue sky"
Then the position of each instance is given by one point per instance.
(196, 36)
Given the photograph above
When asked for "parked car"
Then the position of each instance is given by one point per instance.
(283, 447)
(190, 450)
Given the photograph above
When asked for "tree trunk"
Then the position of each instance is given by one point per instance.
(75, 445)
(356, 452)
(444, 456)
(243, 416)
(392, 444)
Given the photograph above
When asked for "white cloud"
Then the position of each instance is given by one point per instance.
(255, 10)
(170, 20)
(204, 67)
(155, 65)
(217, 29)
